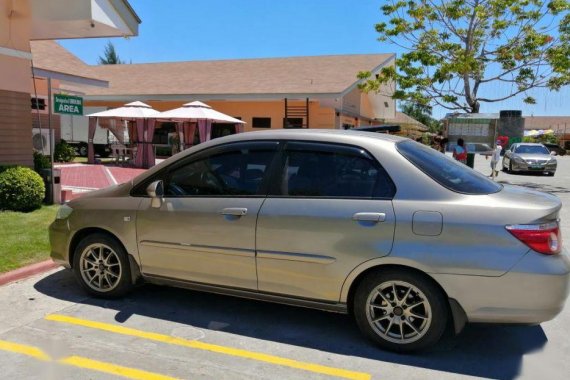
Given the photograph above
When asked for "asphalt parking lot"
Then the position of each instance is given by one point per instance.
(49, 329)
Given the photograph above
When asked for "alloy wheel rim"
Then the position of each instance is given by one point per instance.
(398, 312)
(100, 267)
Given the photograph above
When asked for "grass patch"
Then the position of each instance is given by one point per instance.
(24, 237)
(83, 160)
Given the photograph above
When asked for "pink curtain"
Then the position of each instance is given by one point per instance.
(179, 130)
(139, 158)
(239, 128)
(205, 129)
(90, 137)
(149, 147)
(189, 131)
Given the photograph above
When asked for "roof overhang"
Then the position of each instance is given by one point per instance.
(67, 19)
(69, 79)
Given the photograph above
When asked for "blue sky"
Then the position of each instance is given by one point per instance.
(181, 30)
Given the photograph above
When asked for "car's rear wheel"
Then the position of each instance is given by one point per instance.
(101, 266)
(401, 311)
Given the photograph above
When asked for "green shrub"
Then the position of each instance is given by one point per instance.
(41, 162)
(21, 189)
(63, 152)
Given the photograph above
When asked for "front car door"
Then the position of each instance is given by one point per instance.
(329, 211)
(204, 230)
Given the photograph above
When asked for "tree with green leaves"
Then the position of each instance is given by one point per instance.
(421, 113)
(110, 56)
(455, 48)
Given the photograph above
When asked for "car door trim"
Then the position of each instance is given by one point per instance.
(201, 248)
(249, 294)
(303, 257)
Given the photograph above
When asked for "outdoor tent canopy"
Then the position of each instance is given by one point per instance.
(139, 112)
(200, 113)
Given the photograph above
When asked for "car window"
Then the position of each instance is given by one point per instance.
(322, 170)
(445, 170)
(234, 172)
(531, 149)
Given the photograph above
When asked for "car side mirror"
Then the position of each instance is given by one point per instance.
(553, 153)
(156, 191)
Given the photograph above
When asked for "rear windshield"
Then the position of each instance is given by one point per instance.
(445, 170)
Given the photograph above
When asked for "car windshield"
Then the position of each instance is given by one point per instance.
(445, 170)
(531, 149)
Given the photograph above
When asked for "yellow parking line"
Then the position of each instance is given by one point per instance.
(316, 368)
(84, 363)
(23, 349)
(113, 369)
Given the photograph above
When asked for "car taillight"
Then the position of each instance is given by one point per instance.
(543, 238)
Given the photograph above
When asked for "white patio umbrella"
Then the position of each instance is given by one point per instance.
(196, 111)
(143, 115)
(130, 111)
(202, 114)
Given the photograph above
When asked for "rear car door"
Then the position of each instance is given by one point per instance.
(329, 210)
(204, 231)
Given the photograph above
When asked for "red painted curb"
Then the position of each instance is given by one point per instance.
(27, 271)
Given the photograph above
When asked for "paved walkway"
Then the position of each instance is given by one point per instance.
(81, 178)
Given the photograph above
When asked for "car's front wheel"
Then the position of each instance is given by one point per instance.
(400, 310)
(101, 266)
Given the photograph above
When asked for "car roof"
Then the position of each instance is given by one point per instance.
(325, 135)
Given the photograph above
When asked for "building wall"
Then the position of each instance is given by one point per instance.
(15, 131)
(319, 117)
(15, 71)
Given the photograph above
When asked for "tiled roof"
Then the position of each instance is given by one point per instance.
(51, 56)
(556, 123)
(294, 75)
(402, 118)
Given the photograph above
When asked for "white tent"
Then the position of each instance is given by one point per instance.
(130, 111)
(195, 112)
(190, 114)
(139, 112)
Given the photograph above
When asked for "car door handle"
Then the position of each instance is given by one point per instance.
(234, 211)
(369, 217)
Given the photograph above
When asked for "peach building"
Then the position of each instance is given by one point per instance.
(293, 92)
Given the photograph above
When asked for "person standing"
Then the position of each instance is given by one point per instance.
(459, 152)
(495, 158)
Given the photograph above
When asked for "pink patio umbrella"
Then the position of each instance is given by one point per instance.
(201, 113)
(139, 112)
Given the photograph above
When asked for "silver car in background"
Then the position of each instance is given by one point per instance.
(403, 237)
(529, 157)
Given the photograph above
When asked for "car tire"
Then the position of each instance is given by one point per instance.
(101, 265)
(411, 323)
(550, 174)
(510, 171)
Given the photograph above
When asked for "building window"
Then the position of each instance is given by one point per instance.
(293, 122)
(38, 104)
(261, 122)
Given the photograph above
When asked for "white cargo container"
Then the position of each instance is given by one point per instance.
(74, 130)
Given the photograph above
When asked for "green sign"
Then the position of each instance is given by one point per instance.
(69, 105)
